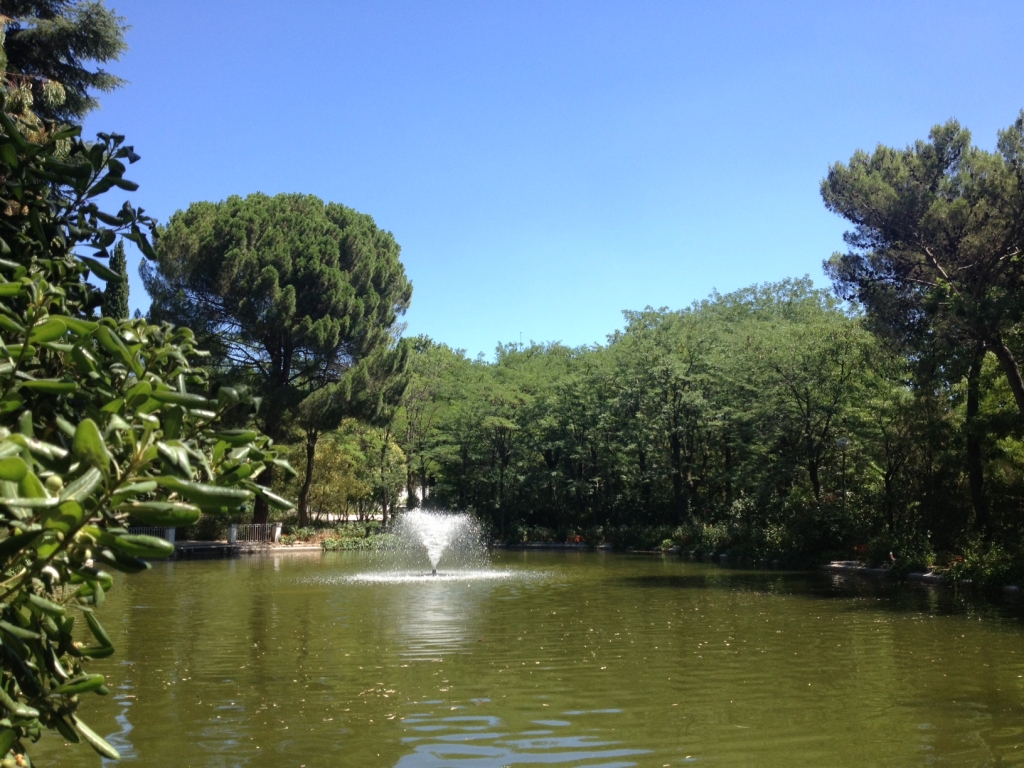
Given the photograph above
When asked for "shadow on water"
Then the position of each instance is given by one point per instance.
(864, 593)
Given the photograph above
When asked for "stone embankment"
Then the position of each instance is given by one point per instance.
(194, 550)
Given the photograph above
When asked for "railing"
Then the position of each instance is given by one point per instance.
(148, 530)
(253, 533)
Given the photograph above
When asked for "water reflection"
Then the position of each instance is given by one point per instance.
(569, 660)
(466, 741)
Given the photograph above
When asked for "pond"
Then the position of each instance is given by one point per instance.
(569, 659)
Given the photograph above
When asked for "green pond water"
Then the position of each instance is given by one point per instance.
(568, 659)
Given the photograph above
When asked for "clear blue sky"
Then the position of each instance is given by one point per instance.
(545, 165)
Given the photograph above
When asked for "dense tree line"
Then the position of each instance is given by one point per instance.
(769, 422)
(880, 419)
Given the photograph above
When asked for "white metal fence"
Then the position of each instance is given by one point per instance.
(254, 533)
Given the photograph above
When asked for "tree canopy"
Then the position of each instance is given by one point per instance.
(288, 291)
(49, 45)
(936, 248)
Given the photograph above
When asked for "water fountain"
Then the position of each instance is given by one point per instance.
(439, 533)
(451, 543)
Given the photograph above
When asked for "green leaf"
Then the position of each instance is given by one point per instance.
(50, 386)
(82, 684)
(66, 730)
(113, 344)
(97, 629)
(7, 738)
(13, 469)
(205, 496)
(46, 606)
(64, 518)
(134, 489)
(274, 500)
(13, 328)
(180, 398)
(143, 546)
(88, 445)
(31, 487)
(176, 455)
(101, 270)
(138, 394)
(83, 359)
(121, 561)
(94, 651)
(10, 156)
(236, 437)
(51, 330)
(162, 513)
(79, 326)
(95, 741)
(19, 632)
(81, 487)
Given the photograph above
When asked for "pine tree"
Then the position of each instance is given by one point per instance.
(115, 297)
(47, 45)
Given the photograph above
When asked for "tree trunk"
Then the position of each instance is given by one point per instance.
(411, 499)
(975, 462)
(812, 470)
(728, 474)
(383, 484)
(311, 439)
(261, 510)
(423, 481)
(272, 429)
(890, 502)
(678, 500)
(1012, 371)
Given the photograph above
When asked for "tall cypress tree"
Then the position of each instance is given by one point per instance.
(115, 297)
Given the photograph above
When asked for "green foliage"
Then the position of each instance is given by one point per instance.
(903, 552)
(728, 411)
(100, 421)
(115, 297)
(640, 537)
(341, 482)
(348, 540)
(48, 45)
(299, 297)
(987, 564)
(769, 423)
(935, 248)
(704, 538)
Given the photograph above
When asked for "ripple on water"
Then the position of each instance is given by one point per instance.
(484, 742)
(426, 577)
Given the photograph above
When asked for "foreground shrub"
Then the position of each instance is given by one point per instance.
(100, 421)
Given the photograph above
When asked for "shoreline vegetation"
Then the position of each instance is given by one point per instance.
(358, 537)
(880, 421)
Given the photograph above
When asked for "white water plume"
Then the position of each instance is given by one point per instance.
(446, 538)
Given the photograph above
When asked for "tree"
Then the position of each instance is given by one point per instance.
(936, 249)
(101, 421)
(48, 45)
(115, 297)
(422, 405)
(288, 291)
(370, 392)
